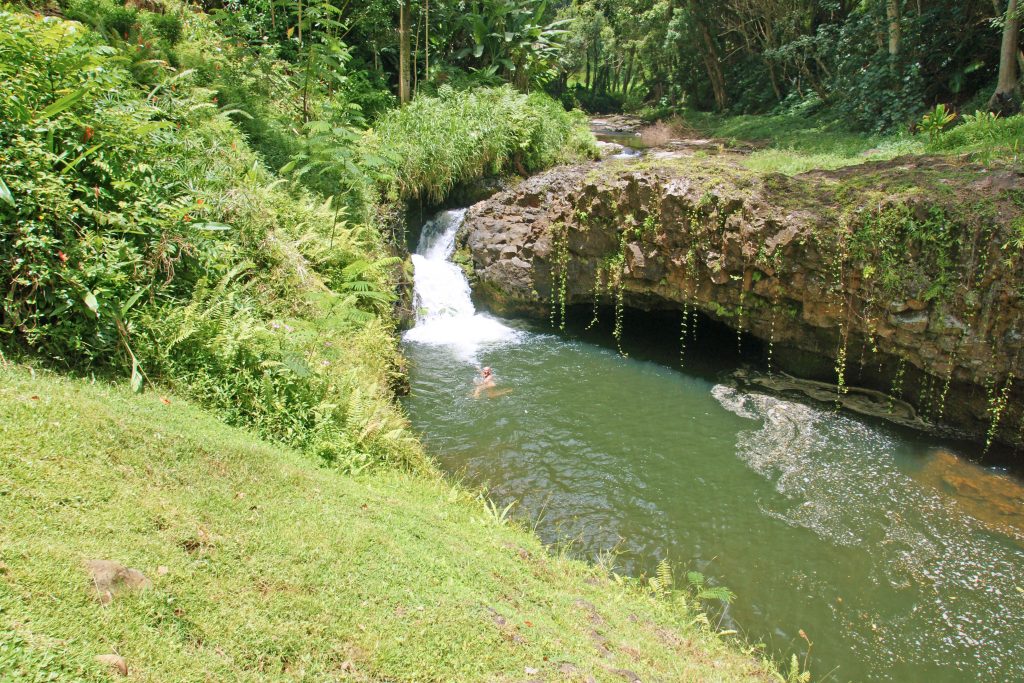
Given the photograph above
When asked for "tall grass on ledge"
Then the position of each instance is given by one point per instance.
(435, 143)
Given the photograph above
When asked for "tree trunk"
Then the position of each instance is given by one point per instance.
(415, 57)
(426, 41)
(629, 71)
(773, 79)
(1005, 100)
(520, 78)
(404, 19)
(711, 60)
(892, 13)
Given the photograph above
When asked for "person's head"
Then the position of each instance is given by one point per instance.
(488, 372)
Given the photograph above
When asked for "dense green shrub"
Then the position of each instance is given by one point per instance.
(983, 133)
(122, 20)
(436, 142)
(167, 26)
(254, 85)
(142, 236)
(147, 238)
(368, 90)
(82, 212)
(92, 13)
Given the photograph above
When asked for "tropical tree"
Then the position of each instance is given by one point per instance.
(1006, 99)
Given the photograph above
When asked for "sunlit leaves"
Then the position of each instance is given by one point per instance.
(5, 194)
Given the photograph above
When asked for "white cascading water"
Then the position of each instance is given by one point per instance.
(445, 315)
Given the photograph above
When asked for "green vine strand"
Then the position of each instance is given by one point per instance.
(841, 370)
(945, 386)
(683, 332)
(771, 333)
(559, 274)
(997, 402)
(619, 309)
(739, 324)
(896, 390)
(924, 396)
(598, 277)
(693, 326)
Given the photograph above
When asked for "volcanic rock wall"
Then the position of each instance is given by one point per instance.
(905, 276)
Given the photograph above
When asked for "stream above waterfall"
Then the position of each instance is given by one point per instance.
(899, 558)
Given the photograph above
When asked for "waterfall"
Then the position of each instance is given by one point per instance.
(445, 315)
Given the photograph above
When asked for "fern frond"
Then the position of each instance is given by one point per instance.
(719, 593)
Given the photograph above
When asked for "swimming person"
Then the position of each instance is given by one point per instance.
(484, 382)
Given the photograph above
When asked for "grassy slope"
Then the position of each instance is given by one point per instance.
(795, 144)
(281, 570)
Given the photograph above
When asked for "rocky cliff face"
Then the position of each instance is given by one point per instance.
(905, 276)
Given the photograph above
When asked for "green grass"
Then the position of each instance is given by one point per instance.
(792, 144)
(277, 569)
(435, 143)
(796, 144)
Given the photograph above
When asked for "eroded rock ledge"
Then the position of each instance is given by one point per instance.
(905, 276)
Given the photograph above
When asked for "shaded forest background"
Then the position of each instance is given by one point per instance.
(877, 64)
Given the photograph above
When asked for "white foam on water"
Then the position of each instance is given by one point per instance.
(839, 479)
(445, 315)
(627, 153)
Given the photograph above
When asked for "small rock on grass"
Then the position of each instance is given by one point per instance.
(110, 578)
(115, 662)
(627, 674)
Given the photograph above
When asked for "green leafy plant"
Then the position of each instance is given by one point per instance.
(795, 674)
(432, 144)
(148, 239)
(936, 121)
(697, 587)
(514, 36)
(495, 515)
(700, 589)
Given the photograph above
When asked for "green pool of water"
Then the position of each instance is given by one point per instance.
(815, 519)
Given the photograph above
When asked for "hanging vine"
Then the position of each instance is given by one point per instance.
(925, 396)
(619, 309)
(598, 286)
(841, 369)
(693, 326)
(617, 278)
(683, 332)
(945, 385)
(896, 390)
(739, 324)
(844, 342)
(997, 402)
(559, 273)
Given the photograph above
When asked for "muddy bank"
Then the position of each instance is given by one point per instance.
(903, 276)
